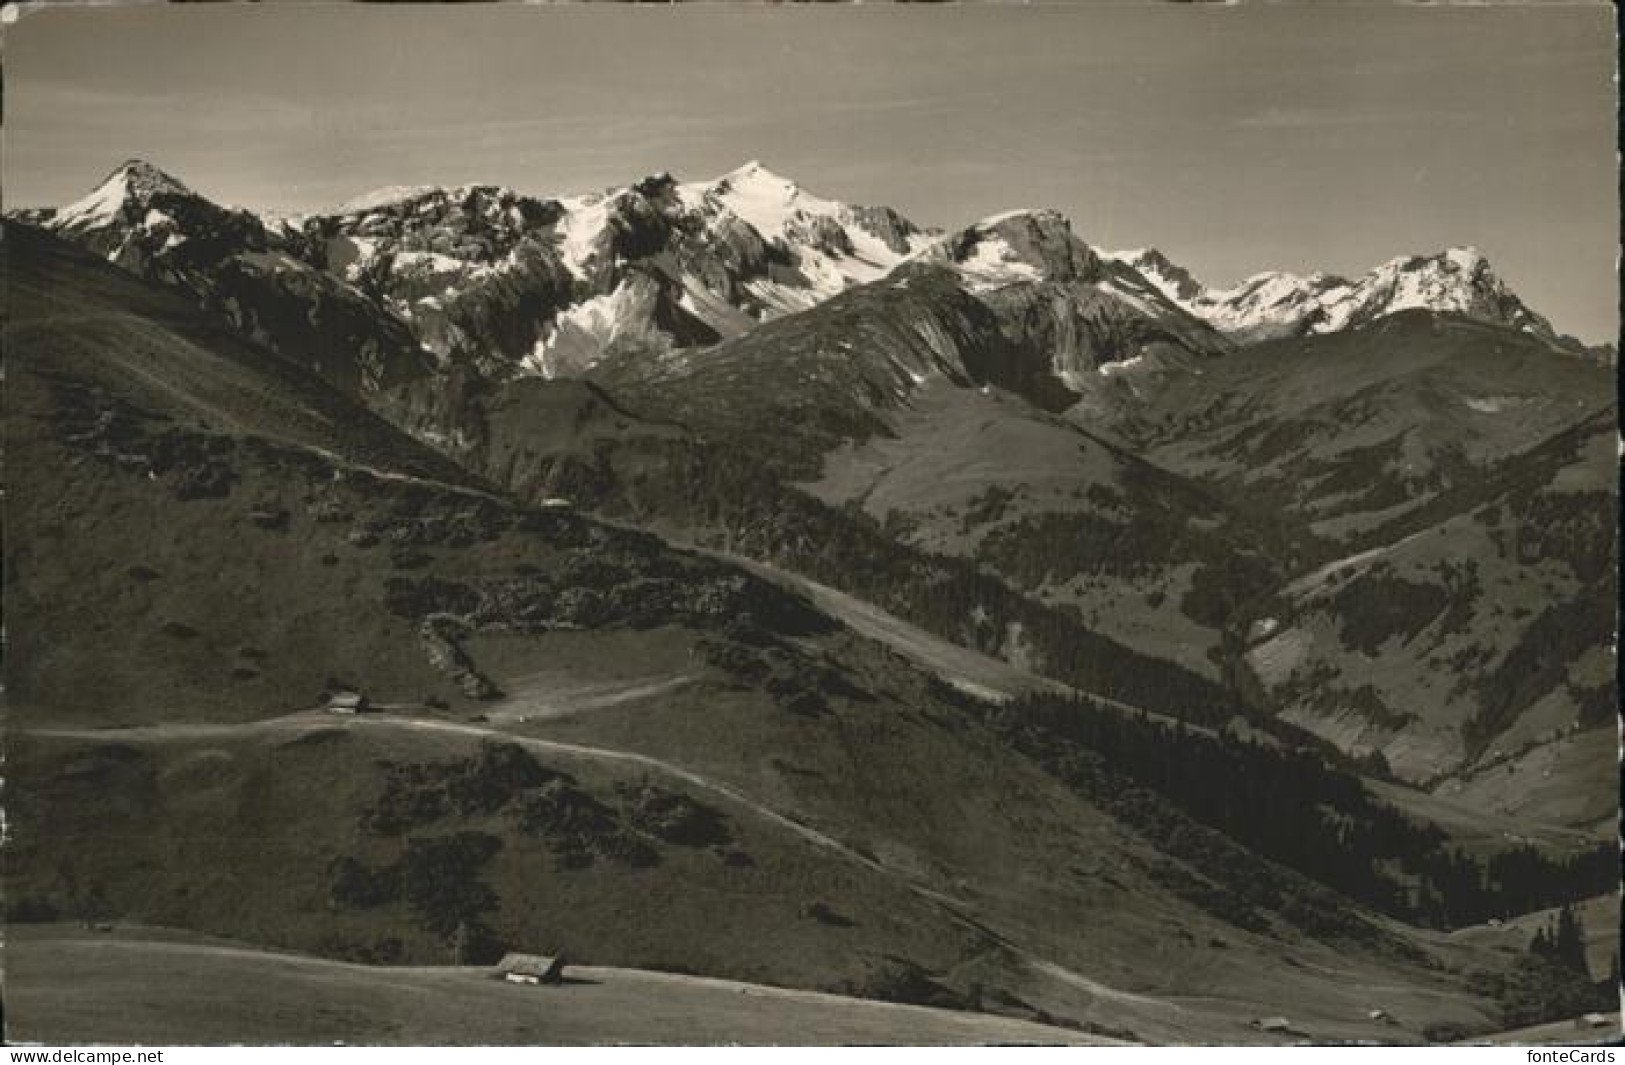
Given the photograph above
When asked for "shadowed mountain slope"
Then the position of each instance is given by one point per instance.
(1350, 431)
(1478, 633)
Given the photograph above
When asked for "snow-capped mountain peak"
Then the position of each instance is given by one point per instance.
(1172, 279)
(753, 172)
(1015, 246)
(1456, 280)
(752, 168)
(132, 185)
(1466, 256)
(545, 283)
(768, 201)
(755, 180)
(267, 279)
(140, 212)
(387, 196)
(834, 244)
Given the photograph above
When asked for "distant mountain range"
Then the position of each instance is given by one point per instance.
(1274, 304)
(517, 284)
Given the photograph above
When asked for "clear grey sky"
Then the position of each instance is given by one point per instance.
(1236, 138)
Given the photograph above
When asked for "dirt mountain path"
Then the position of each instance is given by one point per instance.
(550, 694)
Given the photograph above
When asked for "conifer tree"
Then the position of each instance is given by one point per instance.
(1568, 943)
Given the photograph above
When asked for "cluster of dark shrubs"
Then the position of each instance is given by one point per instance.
(986, 508)
(504, 781)
(797, 680)
(1539, 662)
(597, 589)
(438, 878)
(437, 872)
(579, 829)
(897, 979)
(1382, 606)
(1040, 549)
(674, 818)
(193, 465)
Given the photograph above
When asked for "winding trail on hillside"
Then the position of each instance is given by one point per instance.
(309, 720)
(546, 695)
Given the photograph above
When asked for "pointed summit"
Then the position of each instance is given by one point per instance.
(766, 200)
(125, 191)
(755, 184)
(754, 171)
(147, 178)
(1173, 280)
(1466, 256)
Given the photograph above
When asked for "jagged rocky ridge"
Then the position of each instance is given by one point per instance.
(263, 277)
(1274, 304)
(408, 282)
(489, 278)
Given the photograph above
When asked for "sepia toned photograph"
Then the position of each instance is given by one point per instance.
(810, 525)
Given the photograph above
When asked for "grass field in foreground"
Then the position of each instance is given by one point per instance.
(69, 985)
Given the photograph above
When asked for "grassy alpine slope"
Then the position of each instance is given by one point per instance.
(767, 796)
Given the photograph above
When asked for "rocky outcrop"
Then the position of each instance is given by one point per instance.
(1067, 314)
(439, 633)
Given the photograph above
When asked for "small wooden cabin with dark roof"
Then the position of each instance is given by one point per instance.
(532, 968)
(347, 702)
